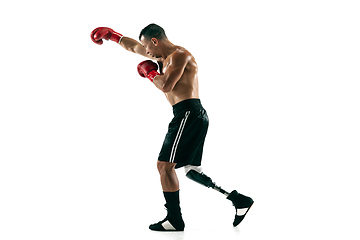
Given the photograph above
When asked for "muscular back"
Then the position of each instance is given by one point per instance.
(186, 86)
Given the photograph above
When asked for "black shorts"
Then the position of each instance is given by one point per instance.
(185, 138)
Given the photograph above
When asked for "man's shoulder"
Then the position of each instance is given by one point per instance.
(181, 54)
(181, 50)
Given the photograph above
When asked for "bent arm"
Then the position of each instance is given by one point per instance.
(173, 73)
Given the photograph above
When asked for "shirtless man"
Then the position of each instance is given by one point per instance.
(183, 144)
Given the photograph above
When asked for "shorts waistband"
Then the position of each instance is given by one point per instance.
(186, 105)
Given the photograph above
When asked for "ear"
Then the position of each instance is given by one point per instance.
(154, 41)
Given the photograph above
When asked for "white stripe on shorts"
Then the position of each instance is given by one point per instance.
(178, 136)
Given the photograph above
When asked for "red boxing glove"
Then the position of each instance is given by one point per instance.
(148, 69)
(105, 33)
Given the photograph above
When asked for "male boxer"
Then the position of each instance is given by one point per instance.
(183, 144)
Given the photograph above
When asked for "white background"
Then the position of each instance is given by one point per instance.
(80, 130)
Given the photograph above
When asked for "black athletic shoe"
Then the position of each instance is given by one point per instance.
(172, 222)
(242, 205)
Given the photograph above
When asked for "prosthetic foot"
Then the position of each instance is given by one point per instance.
(172, 222)
(242, 205)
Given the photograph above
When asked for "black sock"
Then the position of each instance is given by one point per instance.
(172, 202)
(172, 199)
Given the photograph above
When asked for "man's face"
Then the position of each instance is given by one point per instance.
(150, 46)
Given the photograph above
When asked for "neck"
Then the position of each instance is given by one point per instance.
(167, 48)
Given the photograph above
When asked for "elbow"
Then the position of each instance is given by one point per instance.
(162, 85)
(166, 88)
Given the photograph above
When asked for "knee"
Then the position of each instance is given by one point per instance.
(165, 168)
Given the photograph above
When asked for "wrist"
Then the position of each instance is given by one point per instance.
(151, 75)
(116, 37)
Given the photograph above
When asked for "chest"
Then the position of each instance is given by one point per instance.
(163, 66)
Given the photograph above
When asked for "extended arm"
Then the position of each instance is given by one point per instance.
(100, 33)
(134, 46)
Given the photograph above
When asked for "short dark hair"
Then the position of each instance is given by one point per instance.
(153, 31)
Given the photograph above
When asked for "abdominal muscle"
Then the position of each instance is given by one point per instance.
(183, 91)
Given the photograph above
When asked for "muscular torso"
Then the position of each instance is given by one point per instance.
(187, 87)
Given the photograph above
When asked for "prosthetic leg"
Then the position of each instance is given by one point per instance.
(195, 174)
(241, 202)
